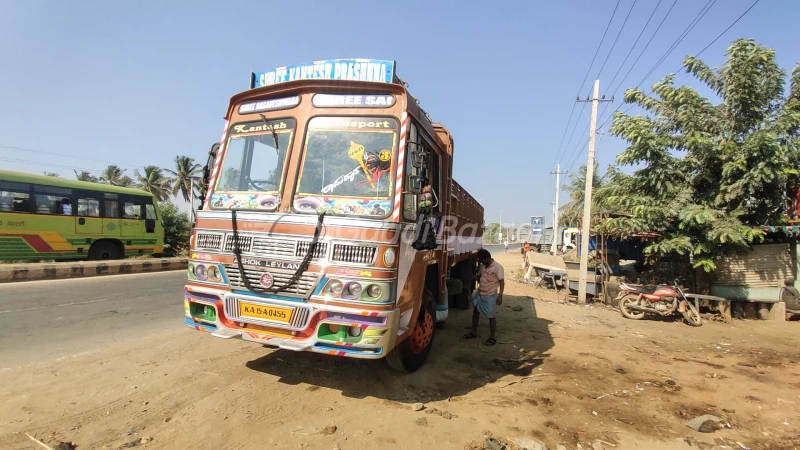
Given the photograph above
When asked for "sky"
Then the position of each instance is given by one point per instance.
(84, 84)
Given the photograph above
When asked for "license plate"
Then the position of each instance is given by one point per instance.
(271, 313)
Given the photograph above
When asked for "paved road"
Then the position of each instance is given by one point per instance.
(46, 320)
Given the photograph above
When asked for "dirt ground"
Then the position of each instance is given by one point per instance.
(560, 373)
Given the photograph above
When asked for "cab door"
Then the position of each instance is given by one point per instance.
(87, 217)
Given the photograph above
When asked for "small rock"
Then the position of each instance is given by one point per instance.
(529, 444)
(145, 440)
(423, 422)
(131, 444)
(597, 445)
(517, 308)
(167, 419)
(66, 446)
(447, 415)
(705, 423)
(330, 429)
(619, 369)
(417, 407)
(560, 447)
(671, 382)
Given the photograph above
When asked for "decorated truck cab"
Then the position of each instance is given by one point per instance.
(330, 221)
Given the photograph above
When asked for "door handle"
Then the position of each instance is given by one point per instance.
(81, 221)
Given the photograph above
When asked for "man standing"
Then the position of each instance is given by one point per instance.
(487, 297)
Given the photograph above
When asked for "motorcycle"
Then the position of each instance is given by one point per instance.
(637, 301)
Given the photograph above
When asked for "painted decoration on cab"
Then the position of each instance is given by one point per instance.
(266, 202)
(343, 206)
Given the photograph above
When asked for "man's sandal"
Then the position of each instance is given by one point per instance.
(490, 342)
(470, 335)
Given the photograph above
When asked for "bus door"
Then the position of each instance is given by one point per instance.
(111, 213)
(132, 222)
(87, 219)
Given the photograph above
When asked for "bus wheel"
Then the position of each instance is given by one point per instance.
(103, 250)
(411, 354)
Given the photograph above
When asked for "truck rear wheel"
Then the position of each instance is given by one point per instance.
(411, 354)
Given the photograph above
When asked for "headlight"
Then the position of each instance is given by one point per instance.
(201, 272)
(388, 257)
(354, 289)
(213, 274)
(374, 291)
(335, 287)
(190, 270)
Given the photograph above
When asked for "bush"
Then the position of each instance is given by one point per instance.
(176, 229)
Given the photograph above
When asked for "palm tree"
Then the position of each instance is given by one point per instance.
(50, 174)
(572, 211)
(185, 170)
(85, 176)
(154, 182)
(115, 176)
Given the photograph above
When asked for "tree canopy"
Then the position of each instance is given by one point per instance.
(707, 173)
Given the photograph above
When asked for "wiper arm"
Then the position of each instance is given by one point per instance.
(272, 129)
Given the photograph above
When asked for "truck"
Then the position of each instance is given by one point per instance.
(330, 221)
(543, 242)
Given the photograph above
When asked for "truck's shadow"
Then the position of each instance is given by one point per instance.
(455, 366)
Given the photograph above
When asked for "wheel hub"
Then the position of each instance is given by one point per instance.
(423, 333)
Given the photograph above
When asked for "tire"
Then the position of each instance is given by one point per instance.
(104, 250)
(692, 315)
(410, 355)
(630, 313)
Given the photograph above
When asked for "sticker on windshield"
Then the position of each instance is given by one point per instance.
(350, 158)
(245, 201)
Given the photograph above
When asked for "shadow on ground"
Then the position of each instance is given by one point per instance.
(454, 368)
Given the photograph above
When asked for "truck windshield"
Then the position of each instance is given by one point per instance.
(251, 175)
(347, 166)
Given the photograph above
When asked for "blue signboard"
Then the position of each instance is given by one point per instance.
(537, 225)
(375, 70)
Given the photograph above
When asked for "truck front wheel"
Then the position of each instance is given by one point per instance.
(411, 354)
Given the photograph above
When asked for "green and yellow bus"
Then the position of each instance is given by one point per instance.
(44, 217)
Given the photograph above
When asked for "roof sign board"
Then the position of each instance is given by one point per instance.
(376, 70)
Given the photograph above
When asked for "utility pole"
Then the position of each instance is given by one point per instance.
(587, 196)
(557, 173)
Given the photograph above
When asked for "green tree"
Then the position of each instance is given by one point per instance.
(572, 212)
(50, 174)
(176, 229)
(154, 182)
(85, 176)
(710, 171)
(115, 176)
(185, 170)
(491, 233)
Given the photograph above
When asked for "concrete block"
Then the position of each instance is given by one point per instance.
(777, 311)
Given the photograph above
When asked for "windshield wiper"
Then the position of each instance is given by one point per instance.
(272, 129)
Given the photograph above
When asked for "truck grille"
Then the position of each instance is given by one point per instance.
(353, 254)
(302, 288)
(299, 317)
(264, 246)
(319, 251)
(208, 241)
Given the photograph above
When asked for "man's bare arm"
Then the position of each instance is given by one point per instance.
(502, 288)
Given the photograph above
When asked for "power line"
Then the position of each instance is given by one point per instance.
(611, 50)
(588, 70)
(70, 156)
(611, 83)
(57, 166)
(664, 19)
(698, 54)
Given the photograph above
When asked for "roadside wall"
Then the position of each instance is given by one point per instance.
(10, 273)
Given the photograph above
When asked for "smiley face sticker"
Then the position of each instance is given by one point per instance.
(384, 155)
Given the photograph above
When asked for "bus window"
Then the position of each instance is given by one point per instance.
(150, 211)
(111, 210)
(131, 210)
(89, 207)
(53, 204)
(15, 198)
